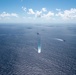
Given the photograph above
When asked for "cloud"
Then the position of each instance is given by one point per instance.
(41, 13)
(4, 14)
(58, 9)
(14, 15)
(38, 13)
(44, 9)
(30, 11)
(24, 8)
(59, 16)
(48, 15)
(67, 14)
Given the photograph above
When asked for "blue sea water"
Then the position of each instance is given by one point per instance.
(19, 57)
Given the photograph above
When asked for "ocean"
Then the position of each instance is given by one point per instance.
(19, 44)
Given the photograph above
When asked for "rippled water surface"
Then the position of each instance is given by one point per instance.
(18, 49)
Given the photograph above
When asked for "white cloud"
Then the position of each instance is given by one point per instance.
(42, 15)
(14, 15)
(58, 9)
(24, 8)
(44, 9)
(4, 14)
(31, 11)
(48, 15)
(38, 13)
(67, 14)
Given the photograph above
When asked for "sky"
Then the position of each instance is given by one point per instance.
(37, 11)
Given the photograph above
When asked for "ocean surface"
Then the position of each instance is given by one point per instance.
(19, 43)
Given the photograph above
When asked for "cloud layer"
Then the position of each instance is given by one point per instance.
(43, 15)
(4, 14)
(67, 14)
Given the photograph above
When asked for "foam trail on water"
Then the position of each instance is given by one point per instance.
(39, 44)
(39, 49)
(59, 39)
(35, 49)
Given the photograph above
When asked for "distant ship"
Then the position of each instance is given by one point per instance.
(37, 33)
